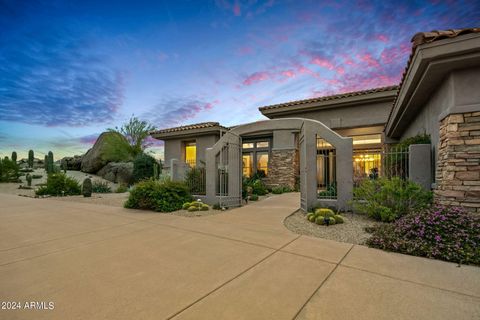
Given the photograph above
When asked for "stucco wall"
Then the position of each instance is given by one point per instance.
(174, 148)
(360, 115)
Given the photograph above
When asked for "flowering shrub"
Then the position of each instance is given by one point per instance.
(445, 233)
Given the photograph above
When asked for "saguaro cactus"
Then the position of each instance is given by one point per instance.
(87, 187)
(50, 162)
(14, 157)
(30, 158)
(29, 179)
(45, 163)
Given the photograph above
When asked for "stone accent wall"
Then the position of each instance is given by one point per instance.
(283, 168)
(458, 167)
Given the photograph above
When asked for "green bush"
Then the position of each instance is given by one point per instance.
(259, 188)
(277, 190)
(59, 184)
(254, 197)
(330, 192)
(324, 212)
(101, 187)
(320, 220)
(9, 171)
(163, 196)
(338, 218)
(143, 167)
(122, 189)
(389, 199)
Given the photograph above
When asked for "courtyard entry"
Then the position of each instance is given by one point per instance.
(326, 175)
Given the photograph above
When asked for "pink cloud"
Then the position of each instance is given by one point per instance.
(382, 37)
(322, 62)
(288, 73)
(256, 77)
(245, 50)
(340, 70)
(369, 60)
(236, 9)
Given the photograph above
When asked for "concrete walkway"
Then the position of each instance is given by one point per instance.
(100, 262)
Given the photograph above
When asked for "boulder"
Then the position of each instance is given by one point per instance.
(71, 163)
(117, 172)
(96, 158)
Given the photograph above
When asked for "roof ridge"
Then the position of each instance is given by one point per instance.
(199, 125)
(331, 97)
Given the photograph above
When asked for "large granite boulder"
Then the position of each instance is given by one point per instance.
(71, 163)
(97, 157)
(117, 172)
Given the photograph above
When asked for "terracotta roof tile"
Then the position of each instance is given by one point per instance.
(201, 125)
(328, 98)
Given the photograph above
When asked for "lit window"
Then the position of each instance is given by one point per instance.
(262, 144)
(262, 163)
(191, 153)
(248, 145)
(367, 139)
(247, 164)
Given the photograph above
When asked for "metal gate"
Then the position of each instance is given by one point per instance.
(229, 174)
(303, 169)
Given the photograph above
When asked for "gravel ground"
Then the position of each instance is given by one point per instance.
(351, 231)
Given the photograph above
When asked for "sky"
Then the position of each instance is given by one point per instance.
(71, 69)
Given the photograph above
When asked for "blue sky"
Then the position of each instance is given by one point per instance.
(71, 69)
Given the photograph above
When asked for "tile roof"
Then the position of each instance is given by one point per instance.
(428, 37)
(201, 125)
(328, 98)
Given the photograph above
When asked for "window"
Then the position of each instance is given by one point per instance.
(191, 153)
(262, 163)
(255, 157)
(247, 162)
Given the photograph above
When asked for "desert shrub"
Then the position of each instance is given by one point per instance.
(9, 171)
(135, 132)
(277, 190)
(330, 192)
(122, 189)
(256, 184)
(254, 197)
(389, 199)
(101, 187)
(143, 167)
(445, 233)
(163, 196)
(324, 212)
(338, 218)
(320, 220)
(259, 188)
(59, 184)
(36, 176)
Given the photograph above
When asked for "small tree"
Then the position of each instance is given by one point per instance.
(144, 167)
(135, 131)
(30, 158)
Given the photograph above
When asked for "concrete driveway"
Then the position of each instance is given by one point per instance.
(100, 262)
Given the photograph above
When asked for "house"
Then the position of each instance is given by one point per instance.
(439, 95)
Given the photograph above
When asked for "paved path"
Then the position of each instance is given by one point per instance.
(100, 262)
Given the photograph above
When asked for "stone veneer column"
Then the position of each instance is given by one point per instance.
(283, 168)
(458, 167)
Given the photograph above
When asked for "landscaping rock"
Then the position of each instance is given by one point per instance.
(71, 163)
(96, 158)
(117, 172)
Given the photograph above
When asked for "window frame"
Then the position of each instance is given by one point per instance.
(253, 151)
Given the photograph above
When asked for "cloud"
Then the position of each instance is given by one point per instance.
(236, 9)
(89, 139)
(176, 111)
(256, 77)
(53, 79)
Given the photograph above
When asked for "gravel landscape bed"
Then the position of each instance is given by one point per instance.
(351, 231)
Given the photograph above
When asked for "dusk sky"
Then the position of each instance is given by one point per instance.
(71, 69)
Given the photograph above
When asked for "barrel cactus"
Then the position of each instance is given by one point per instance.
(30, 158)
(14, 157)
(87, 187)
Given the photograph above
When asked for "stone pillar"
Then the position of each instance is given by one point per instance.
(420, 164)
(282, 168)
(458, 167)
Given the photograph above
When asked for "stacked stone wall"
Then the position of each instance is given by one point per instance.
(283, 168)
(458, 166)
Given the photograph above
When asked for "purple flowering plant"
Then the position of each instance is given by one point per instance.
(445, 233)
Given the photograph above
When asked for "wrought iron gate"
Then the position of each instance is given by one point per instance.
(303, 169)
(229, 174)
